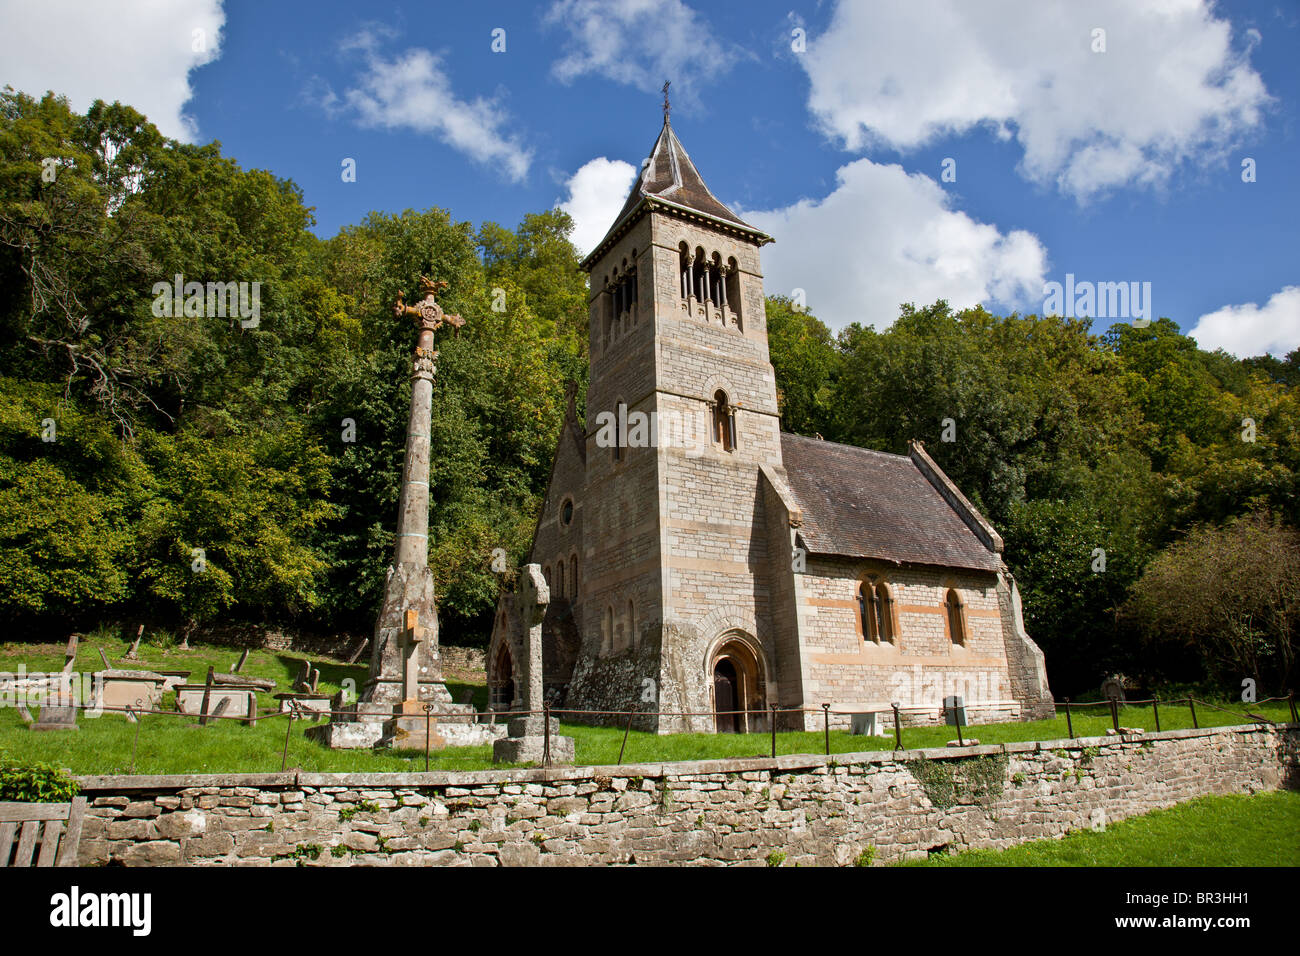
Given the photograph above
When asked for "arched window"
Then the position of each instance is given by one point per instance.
(956, 611)
(885, 607)
(631, 624)
(573, 574)
(546, 574)
(876, 611)
(731, 291)
(724, 422)
(867, 612)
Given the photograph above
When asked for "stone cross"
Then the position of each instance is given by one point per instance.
(412, 636)
(533, 596)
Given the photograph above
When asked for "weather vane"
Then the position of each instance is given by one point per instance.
(667, 108)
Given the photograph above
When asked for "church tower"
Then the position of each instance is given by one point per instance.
(681, 422)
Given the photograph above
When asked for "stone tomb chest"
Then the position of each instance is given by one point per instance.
(241, 700)
(119, 689)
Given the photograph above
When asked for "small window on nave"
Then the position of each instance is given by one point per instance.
(955, 610)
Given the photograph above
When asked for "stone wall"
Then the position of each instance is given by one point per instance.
(797, 809)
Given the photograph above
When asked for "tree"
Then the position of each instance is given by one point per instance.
(1232, 592)
(806, 362)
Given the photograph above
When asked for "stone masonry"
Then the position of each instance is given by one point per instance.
(804, 809)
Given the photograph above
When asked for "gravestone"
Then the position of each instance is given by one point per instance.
(56, 717)
(70, 652)
(870, 725)
(133, 653)
(239, 664)
(59, 709)
(954, 711)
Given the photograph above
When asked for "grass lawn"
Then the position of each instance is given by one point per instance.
(173, 744)
(1237, 830)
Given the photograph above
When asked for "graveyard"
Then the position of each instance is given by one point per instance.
(166, 741)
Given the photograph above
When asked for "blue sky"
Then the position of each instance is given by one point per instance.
(827, 124)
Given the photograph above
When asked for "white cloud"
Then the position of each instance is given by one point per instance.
(139, 52)
(411, 91)
(884, 237)
(1169, 88)
(639, 43)
(1246, 330)
(597, 192)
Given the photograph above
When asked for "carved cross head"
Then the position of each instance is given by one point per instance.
(427, 313)
(534, 595)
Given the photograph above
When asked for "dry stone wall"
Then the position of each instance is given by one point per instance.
(870, 807)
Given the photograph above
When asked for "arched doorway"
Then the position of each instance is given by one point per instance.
(502, 685)
(726, 697)
(738, 687)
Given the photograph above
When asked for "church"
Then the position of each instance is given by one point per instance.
(704, 565)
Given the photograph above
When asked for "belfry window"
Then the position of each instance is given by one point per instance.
(706, 281)
(724, 422)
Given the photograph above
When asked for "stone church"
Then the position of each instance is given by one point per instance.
(706, 565)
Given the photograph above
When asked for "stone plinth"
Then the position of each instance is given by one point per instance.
(527, 743)
(369, 724)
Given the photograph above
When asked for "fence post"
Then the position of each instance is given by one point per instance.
(826, 724)
(428, 708)
(898, 727)
(1114, 713)
(139, 719)
(1290, 696)
(956, 719)
(626, 730)
(546, 739)
(774, 730)
(1191, 702)
(1155, 708)
(1069, 724)
(288, 729)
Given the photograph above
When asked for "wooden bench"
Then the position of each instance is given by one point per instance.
(43, 825)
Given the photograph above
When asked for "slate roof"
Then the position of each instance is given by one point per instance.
(869, 504)
(669, 176)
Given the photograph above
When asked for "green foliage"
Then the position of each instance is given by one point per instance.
(776, 858)
(1233, 593)
(945, 782)
(867, 857)
(34, 783)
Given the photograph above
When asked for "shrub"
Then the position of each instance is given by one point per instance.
(37, 783)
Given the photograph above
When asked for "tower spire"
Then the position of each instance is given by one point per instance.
(667, 107)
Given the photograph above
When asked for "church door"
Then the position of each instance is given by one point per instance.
(726, 697)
